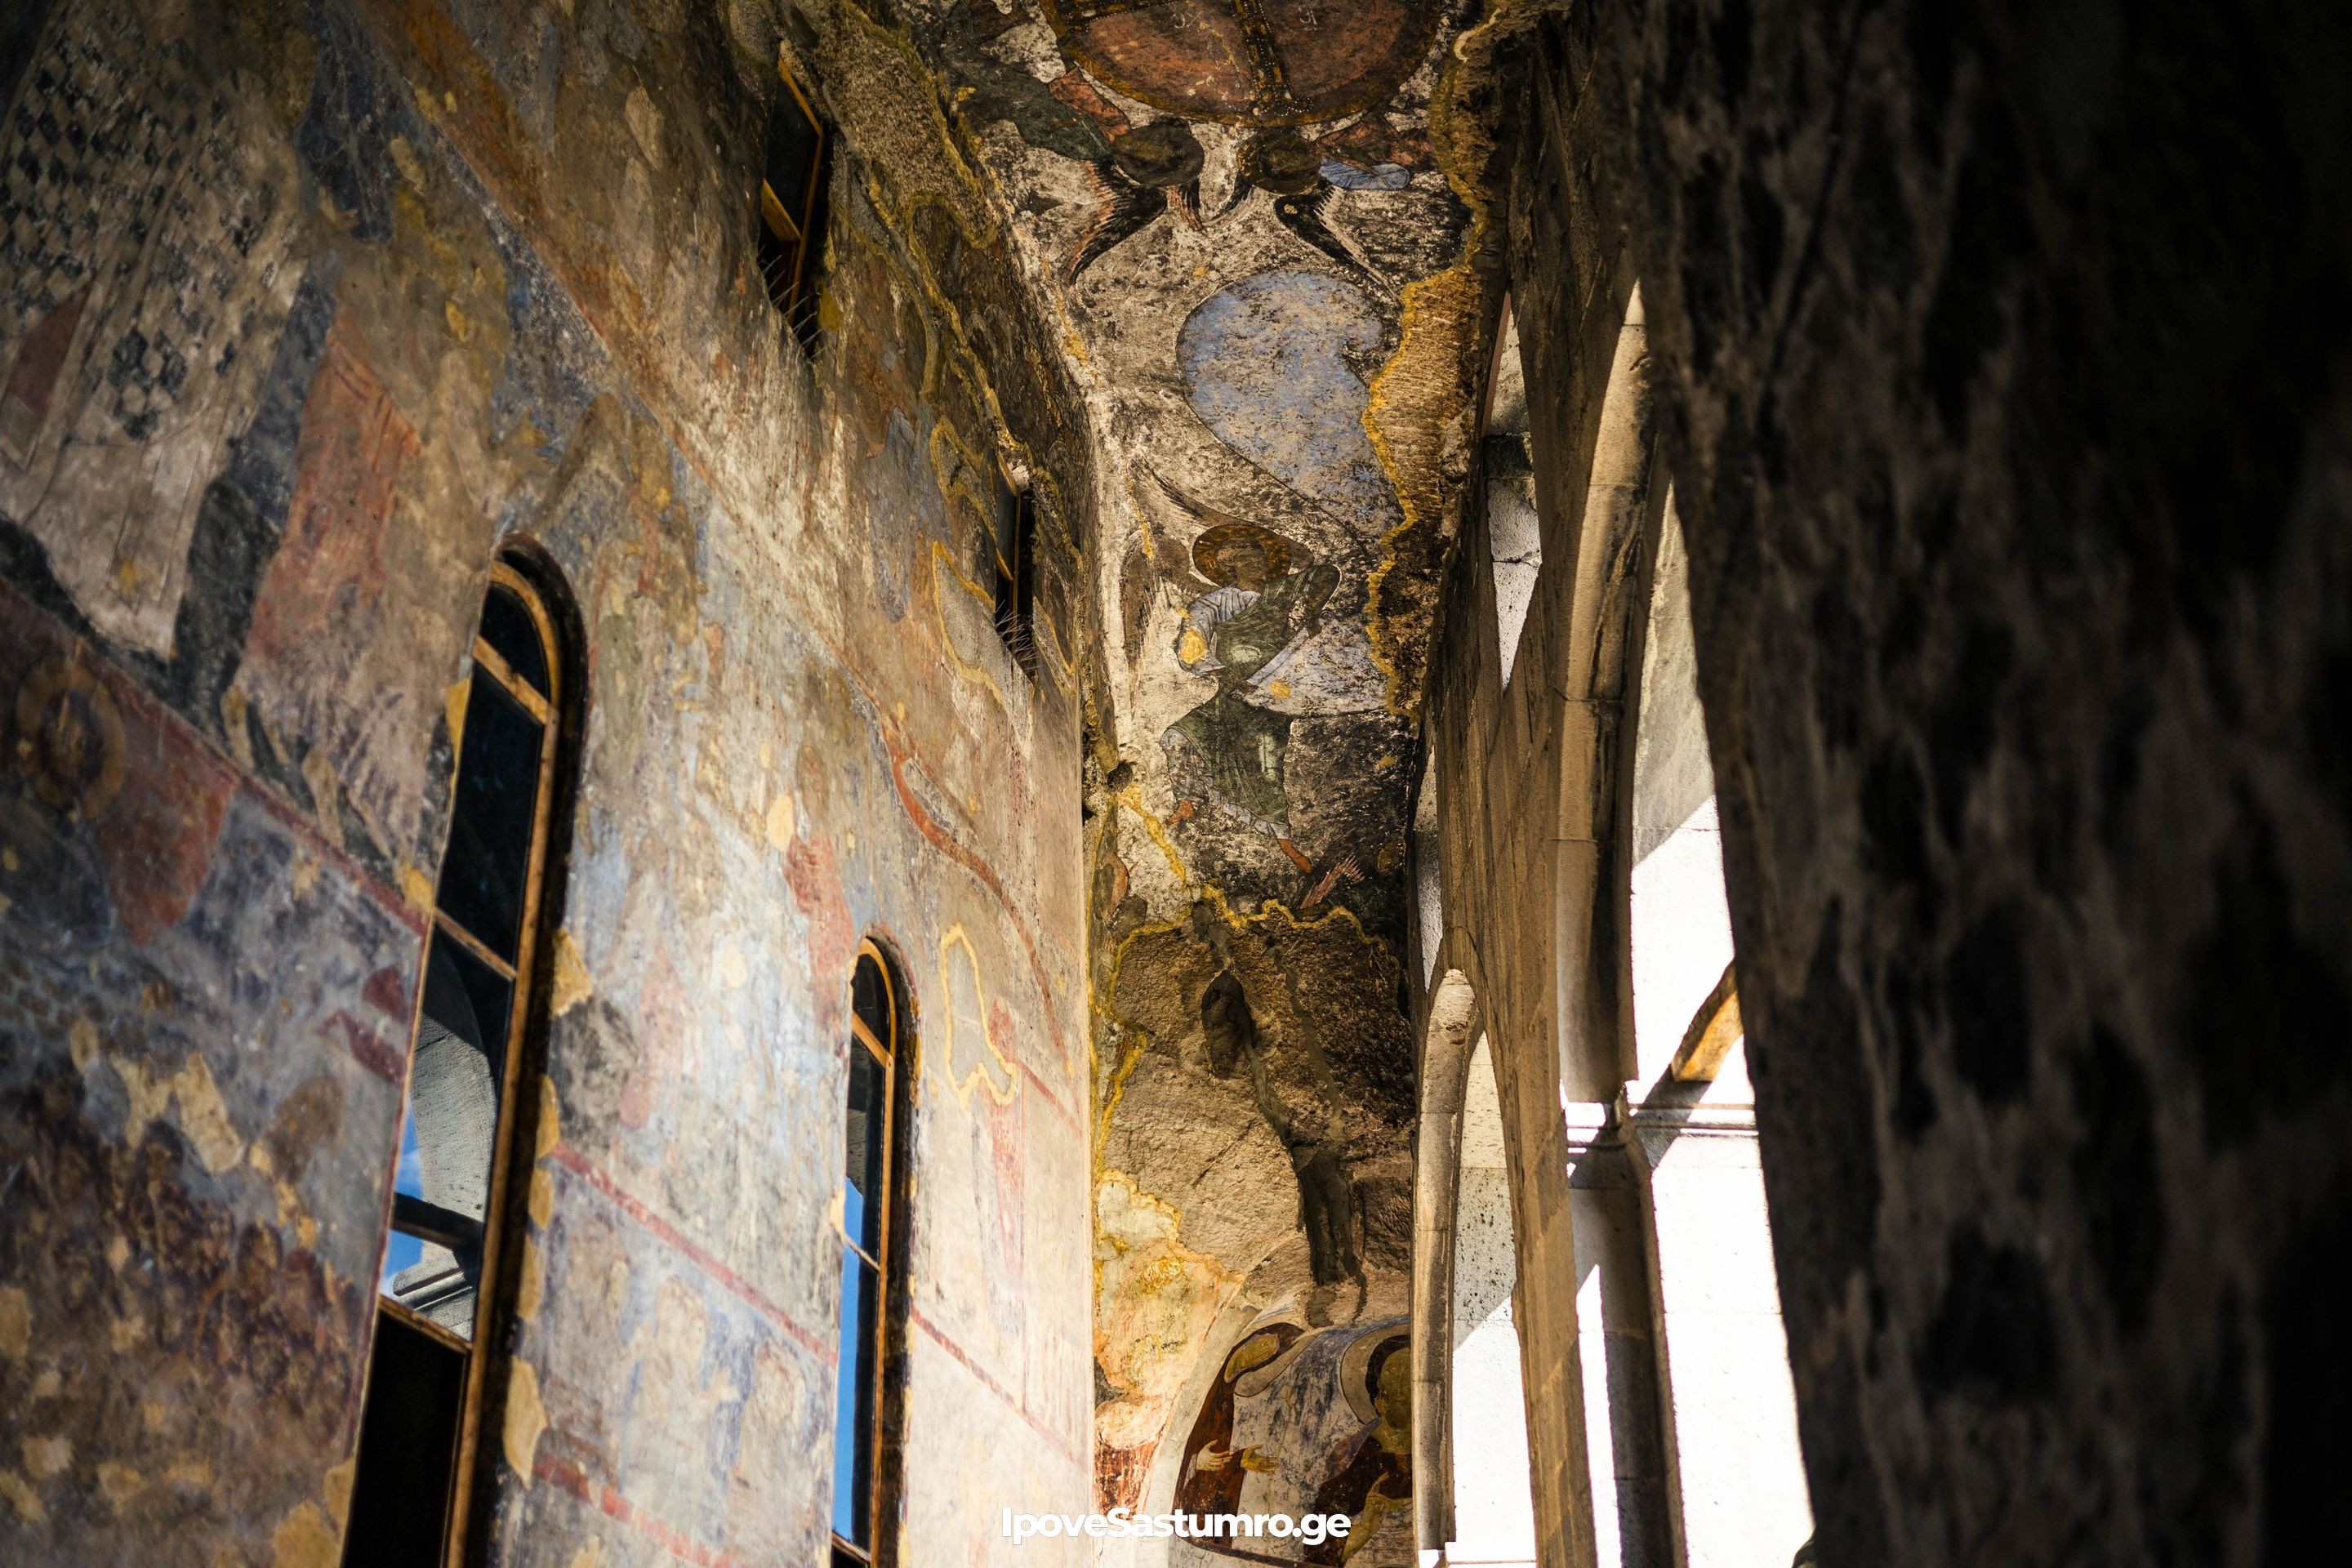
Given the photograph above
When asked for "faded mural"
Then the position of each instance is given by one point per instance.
(1302, 1422)
(1238, 209)
(303, 309)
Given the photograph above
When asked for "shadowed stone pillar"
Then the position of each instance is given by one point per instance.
(1616, 1327)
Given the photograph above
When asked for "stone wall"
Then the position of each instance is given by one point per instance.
(2000, 361)
(304, 312)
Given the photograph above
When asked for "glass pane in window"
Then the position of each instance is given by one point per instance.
(402, 1251)
(441, 1188)
(853, 1422)
(492, 815)
(869, 1092)
(869, 996)
(508, 627)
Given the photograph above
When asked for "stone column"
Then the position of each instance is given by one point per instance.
(1616, 1329)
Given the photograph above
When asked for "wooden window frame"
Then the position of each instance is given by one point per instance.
(889, 1297)
(521, 1015)
(1017, 574)
(796, 233)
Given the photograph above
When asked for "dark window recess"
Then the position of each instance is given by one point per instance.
(870, 1188)
(869, 997)
(416, 1389)
(792, 208)
(508, 627)
(1015, 549)
(869, 1092)
(487, 865)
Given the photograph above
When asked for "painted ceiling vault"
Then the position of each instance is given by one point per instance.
(1242, 215)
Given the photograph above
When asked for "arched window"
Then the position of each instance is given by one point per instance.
(1016, 547)
(420, 1427)
(793, 208)
(1513, 536)
(873, 1180)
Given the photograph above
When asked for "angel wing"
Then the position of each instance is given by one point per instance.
(1303, 216)
(1173, 561)
(1198, 511)
(1242, 186)
(1126, 210)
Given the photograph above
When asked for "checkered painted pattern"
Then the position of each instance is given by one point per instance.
(120, 161)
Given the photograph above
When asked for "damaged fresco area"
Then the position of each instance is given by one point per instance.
(1242, 216)
(382, 291)
(1233, 220)
(1301, 1421)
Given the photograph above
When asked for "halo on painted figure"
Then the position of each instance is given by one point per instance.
(1266, 1367)
(1362, 1363)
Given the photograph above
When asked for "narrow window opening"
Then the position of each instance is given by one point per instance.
(1514, 537)
(794, 209)
(873, 1185)
(1428, 871)
(420, 1427)
(1015, 553)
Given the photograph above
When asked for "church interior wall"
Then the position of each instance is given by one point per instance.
(411, 284)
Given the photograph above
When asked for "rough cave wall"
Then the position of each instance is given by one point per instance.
(2002, 357)
(303, 310)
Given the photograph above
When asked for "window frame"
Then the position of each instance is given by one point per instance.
(1012, 549)
(788, 292)
(521, 1021)
(894, 1055)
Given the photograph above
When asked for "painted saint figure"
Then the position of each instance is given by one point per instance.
(1298, 178)
(1376, 1479)
(1210, 1481)
(1228, 753)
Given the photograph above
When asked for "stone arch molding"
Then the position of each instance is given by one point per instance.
(1448, 1044)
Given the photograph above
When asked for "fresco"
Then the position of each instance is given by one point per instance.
(1232, 203)
(143, 294)
(1247, 61)
(298, 321)
(1299, 1421)
(1233, 198)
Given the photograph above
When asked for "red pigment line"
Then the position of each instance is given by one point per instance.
(285, 810)
(931, 829)
(1046, 1095)
(973, 1367)
(572, 1479)
(572, 1159)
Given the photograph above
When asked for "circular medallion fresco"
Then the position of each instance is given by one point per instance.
(1253, 62)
